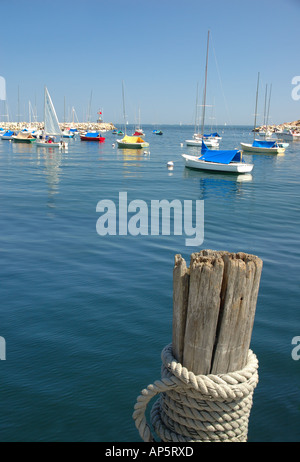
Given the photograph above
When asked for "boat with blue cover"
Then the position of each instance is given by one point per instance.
(229, 161)
(263, 147)
(92, 136)
(8, 135)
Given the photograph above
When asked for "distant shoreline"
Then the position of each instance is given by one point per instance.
(84, 126)
(107, 126)
(295, 126)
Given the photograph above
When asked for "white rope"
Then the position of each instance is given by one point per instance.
(197, 408)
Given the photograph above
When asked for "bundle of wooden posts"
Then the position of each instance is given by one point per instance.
(209, 372)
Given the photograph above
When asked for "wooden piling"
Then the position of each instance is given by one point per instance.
(214, 304)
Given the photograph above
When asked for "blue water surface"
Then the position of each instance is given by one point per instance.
(85, 316)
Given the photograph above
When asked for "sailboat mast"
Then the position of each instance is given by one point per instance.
(205, 84)
(265, 109)
(196, 110)
(256, 104)
(45, 102)
(124, 112)
(267, 121)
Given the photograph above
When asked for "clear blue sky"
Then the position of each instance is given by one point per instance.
(83, 50)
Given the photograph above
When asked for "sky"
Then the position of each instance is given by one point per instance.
(83, 51)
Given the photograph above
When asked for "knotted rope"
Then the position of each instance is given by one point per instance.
(197, 408)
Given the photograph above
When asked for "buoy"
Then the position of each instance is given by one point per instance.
(170, 164)
(181, 144)
(113, 145)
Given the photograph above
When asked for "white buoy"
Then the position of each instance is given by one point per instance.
(113, 145)
(181, 144)
(170, 164)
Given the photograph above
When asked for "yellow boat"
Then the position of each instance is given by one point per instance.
(132, 142)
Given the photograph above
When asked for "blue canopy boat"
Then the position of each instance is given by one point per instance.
(218, 160)
(263, 147)
(8, 135)
(92, 136)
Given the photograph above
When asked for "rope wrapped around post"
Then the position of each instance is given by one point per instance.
(197, 408)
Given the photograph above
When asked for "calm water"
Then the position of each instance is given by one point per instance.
(85, 317)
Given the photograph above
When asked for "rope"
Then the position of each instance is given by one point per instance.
(197, 408)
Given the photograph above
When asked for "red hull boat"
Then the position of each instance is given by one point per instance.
(92, 137)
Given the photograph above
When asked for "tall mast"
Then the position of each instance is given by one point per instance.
(269, 105)
(196, 111)
(256, 104)
(204, 95)
(124, 112)
(265, 109)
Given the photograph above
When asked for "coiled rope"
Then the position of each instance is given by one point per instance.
(197, 408)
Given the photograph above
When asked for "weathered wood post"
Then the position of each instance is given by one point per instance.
(209, 373)
(212, 326)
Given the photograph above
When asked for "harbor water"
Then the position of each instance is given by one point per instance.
(85, 316)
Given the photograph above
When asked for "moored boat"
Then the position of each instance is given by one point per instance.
(24, 137)
(92, 136)
(68, 133)
(288, 135)
(138, 132)
(263, 147)
(226, 161)
(8, 135)
(197, 141)
(132, 142)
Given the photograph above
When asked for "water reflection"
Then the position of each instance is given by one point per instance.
(218, 184)
(23, 148)
(52, 169)
(132, 161)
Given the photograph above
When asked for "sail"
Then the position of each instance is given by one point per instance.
(51, 120)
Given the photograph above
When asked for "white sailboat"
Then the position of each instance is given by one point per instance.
(213, 138)
(262, 146)
(51, 126)
(130, 142)
(229, 161)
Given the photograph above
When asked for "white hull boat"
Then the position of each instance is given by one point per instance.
(232, 167)
(198, 142)
(229, 161)
(288, 136)
(258, 148)
(46, 144)
(51, 126)
(8, 135)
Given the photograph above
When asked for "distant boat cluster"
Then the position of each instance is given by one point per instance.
(212, 158)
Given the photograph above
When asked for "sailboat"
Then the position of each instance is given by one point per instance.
(51, 126)
(138, 129)
(262, 146)
(213, 138)
(229, 161)
(130, 142)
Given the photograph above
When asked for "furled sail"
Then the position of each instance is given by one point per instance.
(51, 120)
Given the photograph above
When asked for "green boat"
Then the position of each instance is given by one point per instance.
(24, 137)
